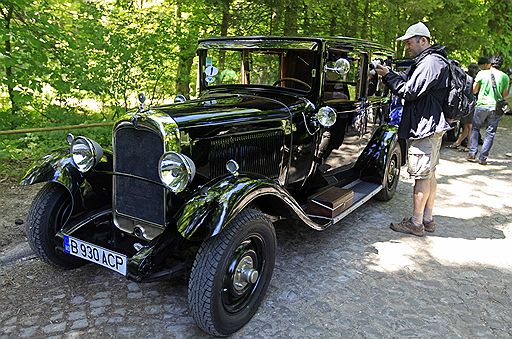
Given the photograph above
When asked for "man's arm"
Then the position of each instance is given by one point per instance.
(504, 94)
(476, 87)
(425, 76)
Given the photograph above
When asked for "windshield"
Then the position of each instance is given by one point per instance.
(267, 67)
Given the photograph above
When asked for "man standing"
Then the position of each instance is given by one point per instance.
(424, 88)
(485, 111)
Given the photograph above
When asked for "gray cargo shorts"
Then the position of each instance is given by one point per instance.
(423, 156)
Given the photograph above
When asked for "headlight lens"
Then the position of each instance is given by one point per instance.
(326, 116)
(86, 153)
(176, 171)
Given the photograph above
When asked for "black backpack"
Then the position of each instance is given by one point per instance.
(461, 100)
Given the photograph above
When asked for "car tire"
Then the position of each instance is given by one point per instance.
(224, 292)
(391, 175)
(49, 211)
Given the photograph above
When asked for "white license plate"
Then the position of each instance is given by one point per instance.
(99, 255)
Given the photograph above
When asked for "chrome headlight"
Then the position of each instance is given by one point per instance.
(86, 153)
(326, 116)
(176, 171)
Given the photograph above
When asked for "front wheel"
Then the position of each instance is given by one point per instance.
(391, 175)
(49, 211)
(231, 274)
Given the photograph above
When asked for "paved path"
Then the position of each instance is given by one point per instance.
(356, 279)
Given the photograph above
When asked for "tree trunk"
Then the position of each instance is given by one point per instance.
(353, 17)
(224, 25)
(305, 27)
(184, 69)
(366, 19)
(333, 25)
(291, 14)
(184, 64)
(7, 51)
(226, 16)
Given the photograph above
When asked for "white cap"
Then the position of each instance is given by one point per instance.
(418, 29)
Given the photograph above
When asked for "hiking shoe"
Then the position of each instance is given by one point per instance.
(471, 158)
(429, 226)
(482, 161)
(407, 226)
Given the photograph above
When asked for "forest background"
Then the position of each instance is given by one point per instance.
(83, 61)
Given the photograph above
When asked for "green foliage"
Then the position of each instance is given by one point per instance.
(19, 150)
(55, 54)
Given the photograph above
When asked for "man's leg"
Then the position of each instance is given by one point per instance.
(478, 120)
(428, 220)
(468, 128)
(490, 132)
(422, 194)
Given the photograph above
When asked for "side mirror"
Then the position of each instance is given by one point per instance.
(341, 66)
(179, 98)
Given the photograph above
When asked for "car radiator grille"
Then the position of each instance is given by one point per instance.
(137, 152)
(255, 153)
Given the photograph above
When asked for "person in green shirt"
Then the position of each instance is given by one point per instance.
(485, 111)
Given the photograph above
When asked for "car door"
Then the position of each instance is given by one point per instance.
(345, 93)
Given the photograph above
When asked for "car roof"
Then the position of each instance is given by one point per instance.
(291, 42)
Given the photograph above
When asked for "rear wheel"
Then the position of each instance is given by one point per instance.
(231, 274)
(49, 211)
(392, 175)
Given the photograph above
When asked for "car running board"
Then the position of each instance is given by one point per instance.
(335, 203)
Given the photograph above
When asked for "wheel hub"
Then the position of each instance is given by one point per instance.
(244, 274)
(392, 172)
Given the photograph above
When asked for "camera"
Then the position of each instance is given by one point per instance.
(375, 62)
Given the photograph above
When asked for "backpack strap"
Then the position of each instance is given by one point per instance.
(495, 90)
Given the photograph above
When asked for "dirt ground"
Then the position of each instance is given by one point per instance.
(14, 203)
(356, 279)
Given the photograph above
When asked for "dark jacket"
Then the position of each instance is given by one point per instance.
(424, 86)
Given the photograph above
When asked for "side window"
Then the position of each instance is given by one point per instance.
(342, 86)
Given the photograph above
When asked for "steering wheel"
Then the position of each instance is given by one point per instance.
(292, 79)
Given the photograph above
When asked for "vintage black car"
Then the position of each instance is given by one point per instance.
(283, 128)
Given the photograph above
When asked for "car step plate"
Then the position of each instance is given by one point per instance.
(99, 255)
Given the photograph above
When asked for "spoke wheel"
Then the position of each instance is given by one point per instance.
(50, 209)
(391, 175)
(231, 274)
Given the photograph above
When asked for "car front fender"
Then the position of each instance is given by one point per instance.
(58, 167)
(217, 203)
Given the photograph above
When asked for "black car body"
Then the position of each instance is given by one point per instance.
(284, 127)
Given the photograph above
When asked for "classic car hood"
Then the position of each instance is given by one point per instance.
(219, 108)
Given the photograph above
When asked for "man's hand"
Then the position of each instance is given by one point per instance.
(382, 70)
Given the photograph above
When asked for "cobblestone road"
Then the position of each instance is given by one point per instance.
(356, 279)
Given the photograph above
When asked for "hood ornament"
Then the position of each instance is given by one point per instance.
(141, 109)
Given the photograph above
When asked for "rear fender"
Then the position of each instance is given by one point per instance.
(218, 202)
